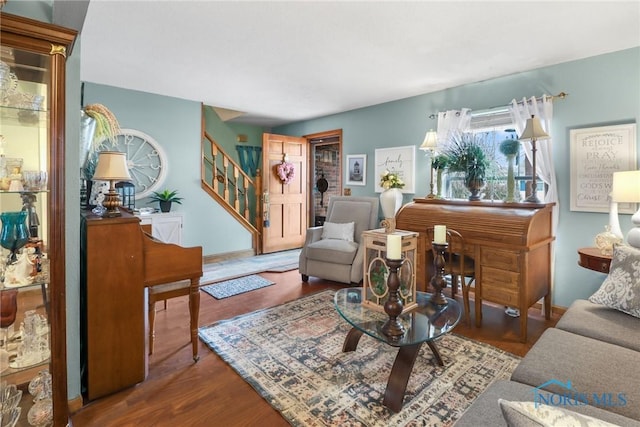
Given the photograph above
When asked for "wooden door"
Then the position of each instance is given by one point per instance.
(287, 203)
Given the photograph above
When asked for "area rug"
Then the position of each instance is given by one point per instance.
(232, 287)
(230, 269)
(292, 355)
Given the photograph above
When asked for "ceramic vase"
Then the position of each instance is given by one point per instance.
(439, 183)
(475, 186)
(390, 202)
(511, 180)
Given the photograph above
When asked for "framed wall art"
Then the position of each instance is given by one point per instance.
(400, 160)
(356, 169)
(596, 153)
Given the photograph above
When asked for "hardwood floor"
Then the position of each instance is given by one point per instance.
(178, 392)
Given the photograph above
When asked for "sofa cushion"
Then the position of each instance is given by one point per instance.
(621, 288)
(333, 251)
(485, 410)
(603, 374)
(602, 323)
(530, 414)
(339, 231)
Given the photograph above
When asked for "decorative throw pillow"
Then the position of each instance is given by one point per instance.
(527, 414)
(333, 230)
(621, 288)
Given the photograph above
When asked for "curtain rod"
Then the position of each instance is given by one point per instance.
(561, 95)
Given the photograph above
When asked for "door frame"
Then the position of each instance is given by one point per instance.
(335, 133)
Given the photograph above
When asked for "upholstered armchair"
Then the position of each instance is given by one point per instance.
(335, 250)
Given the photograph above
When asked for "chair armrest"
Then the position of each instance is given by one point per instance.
(313, 235)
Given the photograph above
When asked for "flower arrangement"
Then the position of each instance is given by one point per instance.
(466, 154)
(390, 180)
(286, 172)
(107, 126)
(440, 162)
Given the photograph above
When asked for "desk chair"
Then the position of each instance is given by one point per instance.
(458, 266)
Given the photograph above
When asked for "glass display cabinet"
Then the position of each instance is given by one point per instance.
(33, 373)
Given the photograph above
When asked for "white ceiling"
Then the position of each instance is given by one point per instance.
(280, 62)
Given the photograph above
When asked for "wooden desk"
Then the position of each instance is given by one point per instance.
(511, 243)
(593, 259)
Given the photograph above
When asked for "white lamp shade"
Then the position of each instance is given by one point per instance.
(626, 187)
(430, 141)
(533, 130)
(112, 165)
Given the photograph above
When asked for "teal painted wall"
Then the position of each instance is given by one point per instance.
(175, 124)
(603, 90)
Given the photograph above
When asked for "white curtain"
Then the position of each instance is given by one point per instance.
(520, 112)
(452, 121)
(542, 109)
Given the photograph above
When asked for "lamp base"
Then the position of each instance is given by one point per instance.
(533, 199)
(112, 202)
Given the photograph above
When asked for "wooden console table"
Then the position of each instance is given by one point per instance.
(510, 242)
(593, 259)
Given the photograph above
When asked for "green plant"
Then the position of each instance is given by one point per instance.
(166, 196)
(466, 154)
(440, 162)
(509, 147)
(390, 180)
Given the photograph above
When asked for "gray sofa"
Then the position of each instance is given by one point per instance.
(588, 364)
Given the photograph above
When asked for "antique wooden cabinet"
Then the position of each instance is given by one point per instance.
(510, 242)
(32, 179)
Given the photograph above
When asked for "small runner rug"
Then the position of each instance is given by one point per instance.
(230, 269)
(237, 286)
(292, 355)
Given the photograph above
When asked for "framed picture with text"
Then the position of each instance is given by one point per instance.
(400, 160)
(596, 153)
(356, 169)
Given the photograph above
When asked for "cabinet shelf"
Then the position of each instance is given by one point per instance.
(23, 116)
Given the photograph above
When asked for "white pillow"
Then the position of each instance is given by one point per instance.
(621, 289)
(333, 230)
(520, 414)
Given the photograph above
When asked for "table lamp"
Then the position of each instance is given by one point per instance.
(429, 145)
(112, 167)
(626, 189)
(532, 132)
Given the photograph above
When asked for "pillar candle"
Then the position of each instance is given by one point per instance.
(394, 245)
(440, 234)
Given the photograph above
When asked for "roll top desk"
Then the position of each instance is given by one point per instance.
(510, 242)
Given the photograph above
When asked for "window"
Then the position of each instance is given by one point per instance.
(496, 125)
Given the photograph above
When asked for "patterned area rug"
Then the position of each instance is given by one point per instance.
(225, 270)
(237, 286)
(292, 355)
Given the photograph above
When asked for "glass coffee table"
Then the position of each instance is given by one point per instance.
(422, 325)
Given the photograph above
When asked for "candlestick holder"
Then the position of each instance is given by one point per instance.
(393, 306)
(438, 281)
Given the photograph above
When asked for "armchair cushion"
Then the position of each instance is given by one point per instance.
(344, 231)
(332, 250)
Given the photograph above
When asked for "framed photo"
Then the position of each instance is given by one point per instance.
(596, 153)
(400, 160)
(356, 169)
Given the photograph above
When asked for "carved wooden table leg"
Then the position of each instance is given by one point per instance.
(352, 340)
(399, 377)
(194, 312)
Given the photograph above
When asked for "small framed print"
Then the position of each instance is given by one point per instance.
(356, 169)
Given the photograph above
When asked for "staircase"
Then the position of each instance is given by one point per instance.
(224, 180)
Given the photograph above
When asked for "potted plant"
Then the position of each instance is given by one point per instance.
(440, 163)
(509, 148)
(466, 154)
(165, 198)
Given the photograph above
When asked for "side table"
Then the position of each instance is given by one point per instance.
(593, 259)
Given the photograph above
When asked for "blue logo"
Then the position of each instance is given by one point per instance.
(571, 397)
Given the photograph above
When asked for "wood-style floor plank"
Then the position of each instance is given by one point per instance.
(178, 392)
